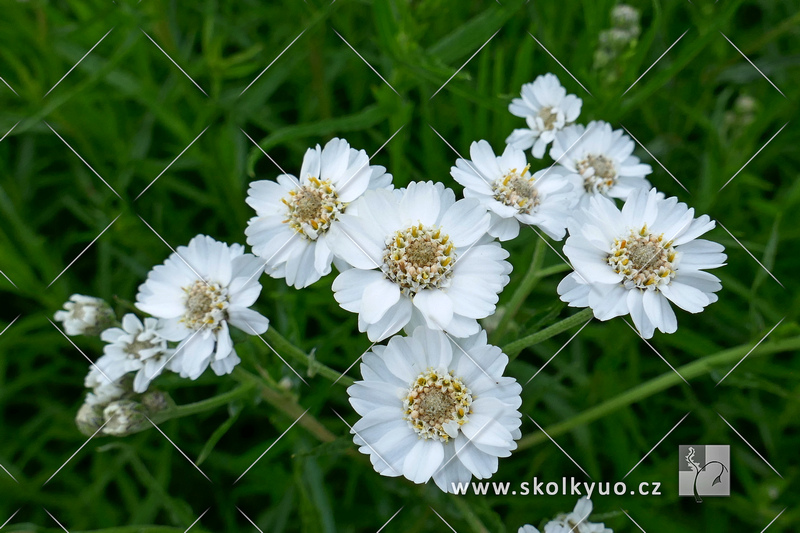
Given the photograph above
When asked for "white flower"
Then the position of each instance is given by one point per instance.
(197, 293)
(419, 257)
(505, 186)
(85, 315)
(104, 390)
(603, 157)
(547, 108)
(550, 527)
(432, 408)
(638, 260)
(577, 520)
(294, 216)
(135, 347)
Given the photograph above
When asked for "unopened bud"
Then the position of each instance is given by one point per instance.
(89, 419)
(123, 417)
(85, 315)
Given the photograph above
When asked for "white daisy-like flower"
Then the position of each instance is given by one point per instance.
(547, 109)
(638, 260)
(103, 389)
(504, 185)
(135, 347)
(550, 527)
(85, 315)
(196, 294)
(294, 216)
(419, 257)
(577, 520)
(432, 408)
(603, 157)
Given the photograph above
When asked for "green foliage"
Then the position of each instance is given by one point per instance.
(128, 111)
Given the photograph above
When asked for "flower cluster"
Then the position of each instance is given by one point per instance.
(575, 521)
(434, 403)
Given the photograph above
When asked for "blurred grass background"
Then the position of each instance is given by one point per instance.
(703, 111)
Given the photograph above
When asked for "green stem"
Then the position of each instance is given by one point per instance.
(512, 349)
(658, 384)
(523, 290)
(281, 345)
(202, 406)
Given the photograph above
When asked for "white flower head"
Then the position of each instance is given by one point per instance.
(197, 293)
(504, 185)
(431, 408)
(603, 157)
(550, 527)
(420, 257)
(103, 388)
(639, 259)
(135, 347)
(577, 520)
(295, 214)
(85, 315)
(547, 108)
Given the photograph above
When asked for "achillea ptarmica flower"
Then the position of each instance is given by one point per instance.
(547, 108)
(577, 521)
(432, 408)
(504, 185)
(135, 347)
(419, 257)
(603, 158)
(550, 527)
(196, 294)
(294, 215)
(85, 315)
(103, 389)
(638, 260)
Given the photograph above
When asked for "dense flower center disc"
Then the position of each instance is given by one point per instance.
(206, 305)
(517, 191)
(548, 117)
(418, 258)
(598, 172)
(436, 405)
(643, 260)
(312, 207)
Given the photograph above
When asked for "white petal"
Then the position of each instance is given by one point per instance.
(435, 306)
(422, 461)
(379, 296)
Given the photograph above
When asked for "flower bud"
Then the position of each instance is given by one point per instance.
(89, 419)
(123, 417)
(85, 315)
(156, 401)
